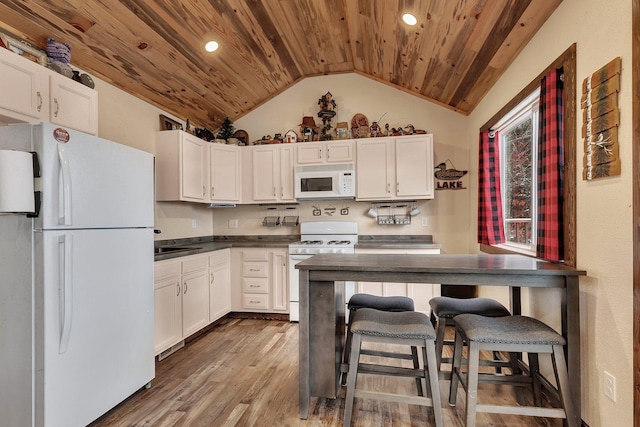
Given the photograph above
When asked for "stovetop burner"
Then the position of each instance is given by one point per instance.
(339, 242)
(311, 242)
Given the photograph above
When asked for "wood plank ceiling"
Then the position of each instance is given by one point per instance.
(153, 49)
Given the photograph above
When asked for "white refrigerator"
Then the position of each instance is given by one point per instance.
(92, 269)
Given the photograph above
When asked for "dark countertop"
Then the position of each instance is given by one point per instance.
(396, 242)
(198, 245)
(460, 265)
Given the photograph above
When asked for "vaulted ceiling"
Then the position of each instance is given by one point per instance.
(154, 49)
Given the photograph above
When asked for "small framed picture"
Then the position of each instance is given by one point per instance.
(24, 49)
(169, 124)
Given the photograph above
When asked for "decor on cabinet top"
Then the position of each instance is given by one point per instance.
(24, 49)
(601, 119)
(308, 129)
(326, 114)
(226, 131)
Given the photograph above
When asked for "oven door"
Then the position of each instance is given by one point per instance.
(294, 286)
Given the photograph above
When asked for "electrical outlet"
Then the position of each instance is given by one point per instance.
(424, 221)
(233, 223)
(194, 223)
(609, 385)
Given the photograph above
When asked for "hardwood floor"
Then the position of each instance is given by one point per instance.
(244, 372)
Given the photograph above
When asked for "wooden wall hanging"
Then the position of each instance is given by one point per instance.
(601, 118)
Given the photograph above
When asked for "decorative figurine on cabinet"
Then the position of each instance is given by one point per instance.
(327, 107)
(308, 128)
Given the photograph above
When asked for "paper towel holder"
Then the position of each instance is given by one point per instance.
(36, 194)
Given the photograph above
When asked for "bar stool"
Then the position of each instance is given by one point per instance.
(446, 308)
(390, 304)
(405, 328)
(512, 334)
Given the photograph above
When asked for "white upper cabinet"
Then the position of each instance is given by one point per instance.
(324, 152)
(374, 169)
(182, 167)
(272, 169)
(23, 86)
(395, 168)
(225, 183)
(414, 167)
(33, 93)
(73, 104)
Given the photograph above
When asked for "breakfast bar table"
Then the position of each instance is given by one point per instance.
(322, 303)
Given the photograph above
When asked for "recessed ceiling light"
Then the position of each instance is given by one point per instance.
(409, 19)
(211, 46)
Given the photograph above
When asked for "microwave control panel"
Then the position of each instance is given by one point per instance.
(347, 183)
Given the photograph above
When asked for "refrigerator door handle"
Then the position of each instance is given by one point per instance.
(65, 191)
(65, 289)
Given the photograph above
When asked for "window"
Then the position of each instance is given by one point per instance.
(555, 195)
(518, 133)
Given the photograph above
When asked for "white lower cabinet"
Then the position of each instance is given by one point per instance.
(168, 304)
(219, 284)
(195, 294)
(190, 293)
(421, 293)
(260, 277)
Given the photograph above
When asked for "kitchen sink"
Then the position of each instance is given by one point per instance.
(170, 249)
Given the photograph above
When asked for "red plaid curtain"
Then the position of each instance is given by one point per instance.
(490, 228)
(550, 172)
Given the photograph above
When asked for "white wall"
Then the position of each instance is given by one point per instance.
(447, 215)
(131, 121)
(602, 31)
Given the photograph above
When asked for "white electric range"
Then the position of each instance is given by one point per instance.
(319, 237)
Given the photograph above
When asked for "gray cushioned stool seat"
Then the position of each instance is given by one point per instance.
(448, 308)
(396, 303)
(508, 330)
(405, 324)
(404, 328)
(519, 334)
(391, 304)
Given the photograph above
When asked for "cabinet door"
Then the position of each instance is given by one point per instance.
(414, 167)
(193, 167)
(73, 104)
(195, 302)
(373, 173)
(225, 184)
(168, 305)
(339, 152)
(219, 284)
(309, 153)
(22, 85)
(279, 281)
(286, 174)
(265, 174)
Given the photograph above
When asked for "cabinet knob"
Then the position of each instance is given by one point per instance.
(212, 277)
(55, 101)
(39, 100)
(186, 286)
(178, 287)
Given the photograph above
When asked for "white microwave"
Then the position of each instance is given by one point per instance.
(334, 181)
